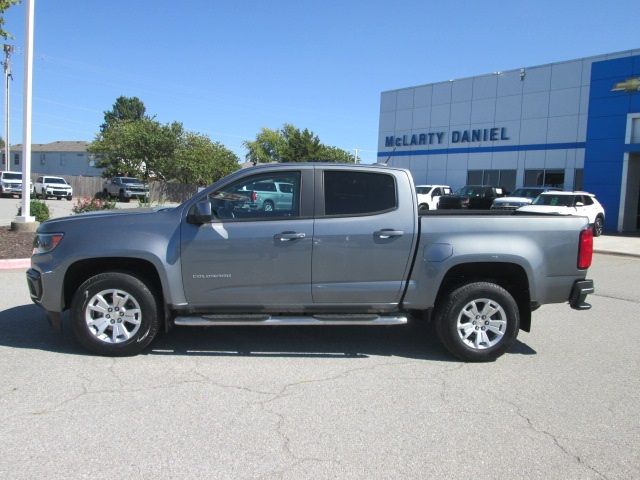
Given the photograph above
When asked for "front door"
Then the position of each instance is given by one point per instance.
(250, 258)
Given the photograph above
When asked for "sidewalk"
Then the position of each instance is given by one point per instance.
(617, 244)
(623, 245)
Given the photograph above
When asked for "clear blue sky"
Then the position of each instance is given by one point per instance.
(229, 68)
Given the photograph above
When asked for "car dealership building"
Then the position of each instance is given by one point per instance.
(573, 124)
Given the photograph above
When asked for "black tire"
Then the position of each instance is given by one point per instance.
(105, 194)
(598, 226)
(59, 198)
(69, 198)
(423, 207)
(267, 206)
(149, 315)
(451, 308)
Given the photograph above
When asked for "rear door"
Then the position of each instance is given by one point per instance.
(364, 236)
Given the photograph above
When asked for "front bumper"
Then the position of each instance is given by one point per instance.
(130, 194)
(59, 193)
(34, 282)
(12, 188)
(579, 292)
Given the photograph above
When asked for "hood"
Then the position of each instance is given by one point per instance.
(547, 209)
(101, 217)
(524, 200)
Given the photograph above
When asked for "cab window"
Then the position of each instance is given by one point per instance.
(358, 193)
(257, 198)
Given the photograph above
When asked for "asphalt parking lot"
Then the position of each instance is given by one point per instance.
(383, 402)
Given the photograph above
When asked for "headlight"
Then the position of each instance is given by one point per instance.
(45, 242)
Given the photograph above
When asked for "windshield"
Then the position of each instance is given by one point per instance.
(12, 176)
(554, 200)
(471, 191)
(526, 192)
(130, 180)
(423, 190)
(60, 181)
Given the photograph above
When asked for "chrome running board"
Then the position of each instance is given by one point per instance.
(286, 320)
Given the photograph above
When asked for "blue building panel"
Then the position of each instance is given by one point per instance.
(606, 106)
(612, 68)
(606, 130)
(606, 127)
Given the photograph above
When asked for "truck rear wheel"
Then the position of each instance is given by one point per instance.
(478, 322)
(114, 314)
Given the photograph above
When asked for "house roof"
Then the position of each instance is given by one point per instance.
(59, 146)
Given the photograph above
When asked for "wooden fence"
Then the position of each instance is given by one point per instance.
(158, 191)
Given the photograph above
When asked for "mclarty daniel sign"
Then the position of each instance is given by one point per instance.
(495, 134)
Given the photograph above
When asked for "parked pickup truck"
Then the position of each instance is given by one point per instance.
(471, 196)
(349, 249)
(125, 188)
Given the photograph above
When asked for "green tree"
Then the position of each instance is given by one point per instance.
(4, 6)
(124, 109)
(290, 144)
(143, 148)
(198, 160)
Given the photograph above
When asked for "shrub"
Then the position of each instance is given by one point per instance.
(38, 209)
(92, 204)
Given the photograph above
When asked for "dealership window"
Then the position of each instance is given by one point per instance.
(544, 178)
(578, 181)
(43, 159)
(496, 178)
(16, 159)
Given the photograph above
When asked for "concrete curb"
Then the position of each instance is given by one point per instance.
(14, 263)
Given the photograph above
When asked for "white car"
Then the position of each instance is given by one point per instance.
(11, 183)
(52, 187)
(583, 204)
(429, 195)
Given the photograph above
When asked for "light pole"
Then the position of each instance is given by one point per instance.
(8, 49)
(25, 221)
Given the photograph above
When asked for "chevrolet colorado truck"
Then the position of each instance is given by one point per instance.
(350, 248)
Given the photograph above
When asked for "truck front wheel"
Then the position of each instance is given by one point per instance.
(114, 314)
(477, 322)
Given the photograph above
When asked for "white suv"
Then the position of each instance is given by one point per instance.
(429, 195)
(583, 204)
(52, 187)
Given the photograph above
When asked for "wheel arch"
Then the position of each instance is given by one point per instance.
(510, 276)
(80, 271)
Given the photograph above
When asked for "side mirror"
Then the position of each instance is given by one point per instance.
(200, 213)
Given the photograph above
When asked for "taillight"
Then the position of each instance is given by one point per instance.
(585, 248)
(254, 196)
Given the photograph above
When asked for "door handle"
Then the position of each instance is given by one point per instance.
(388, 233)
(288, 236)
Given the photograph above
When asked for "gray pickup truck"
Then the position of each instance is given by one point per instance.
(350, 248)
